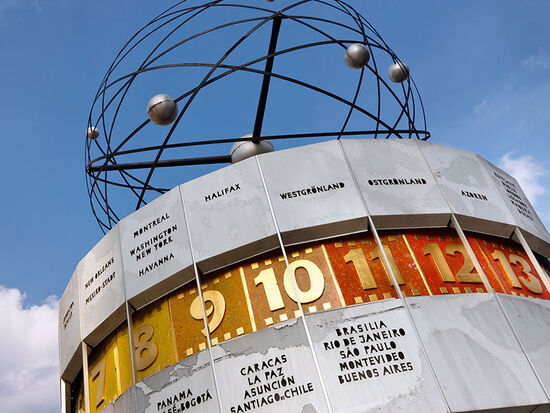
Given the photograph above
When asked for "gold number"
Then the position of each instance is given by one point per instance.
(217, 309)
(145, 351)
(439, 261)
(357, 258)
(316, 281)
(272, 291)
(378, 254)
(99, 373)
(505, 265)
(466, 274)
(533, 284)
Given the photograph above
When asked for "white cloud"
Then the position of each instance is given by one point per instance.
(538, 61)
(29, 371)
(528, 173)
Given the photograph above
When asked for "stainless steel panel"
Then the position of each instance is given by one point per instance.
(397, 184)
(312, 192)
(126, 403)
(371, 360)
(520, 208)
(476, 357)
(123, 404)
(101, 289)
(228, 215)
(70, 355)
(530, 319)
(269, 370)
(186, 386)
(155, 249)
(469, 190)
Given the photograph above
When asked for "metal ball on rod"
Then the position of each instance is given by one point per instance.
(357, 56)
(398, 72)
(162, 109)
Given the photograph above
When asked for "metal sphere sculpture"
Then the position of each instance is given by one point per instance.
(162, 110)
(92, 133)
(273, 68)
(245, 149)
(398, 72)
(357, 56)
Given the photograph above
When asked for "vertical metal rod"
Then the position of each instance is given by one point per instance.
(385, 259)
(407, 310)
(538, 267)
(128, 321)
(471, 254)
(203, 309)
(501, 307)
(295, 289)
(85, 377)
(466, 243)
(64, 395)
(257, 131)
(131, 340)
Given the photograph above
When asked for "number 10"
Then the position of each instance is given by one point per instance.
(273, 292)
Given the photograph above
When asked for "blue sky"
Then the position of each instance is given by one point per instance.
(483, 69)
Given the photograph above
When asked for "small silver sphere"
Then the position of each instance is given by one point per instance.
(357, 56)
(162, 109)
(245, 149)
(398, 72)
(92, 133)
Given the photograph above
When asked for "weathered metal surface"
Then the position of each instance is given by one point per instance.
(469, 190)
(70, 360)
(371, 360)
(312, 192)
(249, 296)
(520, 208)
(155, 249)
(270, 370)
(124, 404)
(396, 183)
(185, 386)
(228, 215)
(101, 289)
(476, 357)
(530, 319)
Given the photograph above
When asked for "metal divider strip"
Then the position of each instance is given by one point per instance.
(543, 275)
(64, 395)
(295, 288)
(85, 380)
(84, 352)
(500, 306)
(531, 256)
(394, 280)
(128, 317)
(199, 289)
(472, 256)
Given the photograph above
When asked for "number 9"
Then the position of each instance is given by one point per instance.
(217, 308)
